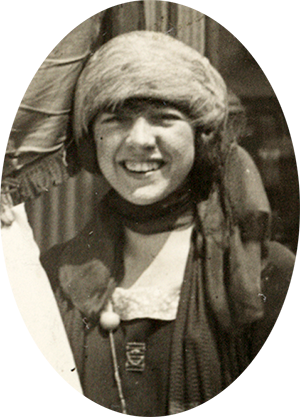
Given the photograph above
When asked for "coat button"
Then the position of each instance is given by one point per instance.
(109, 320)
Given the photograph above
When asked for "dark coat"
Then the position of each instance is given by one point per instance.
(76, 303)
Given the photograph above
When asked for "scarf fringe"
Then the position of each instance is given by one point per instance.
(35, 178)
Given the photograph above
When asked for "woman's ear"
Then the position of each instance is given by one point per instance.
(207, 146)
(207, 136)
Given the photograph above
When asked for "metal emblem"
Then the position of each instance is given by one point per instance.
(135, 355)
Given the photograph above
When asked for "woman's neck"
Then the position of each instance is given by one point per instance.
(148, 228)
(139, 252)
(150, 257)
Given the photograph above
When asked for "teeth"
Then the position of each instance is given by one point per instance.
(142, 166)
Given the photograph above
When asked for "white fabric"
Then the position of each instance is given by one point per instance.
(36, 359)
(155, 303)
(156, 293)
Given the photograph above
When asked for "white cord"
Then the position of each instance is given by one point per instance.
(116, 372)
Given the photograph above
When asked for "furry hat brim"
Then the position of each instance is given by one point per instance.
(152, 65)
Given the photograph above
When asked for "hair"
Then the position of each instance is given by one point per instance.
(151, 65)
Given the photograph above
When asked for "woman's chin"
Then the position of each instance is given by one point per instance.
(145, 197)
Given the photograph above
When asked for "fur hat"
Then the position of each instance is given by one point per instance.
(143, 65)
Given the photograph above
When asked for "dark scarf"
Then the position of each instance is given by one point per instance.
(174, 212)
(220, 296)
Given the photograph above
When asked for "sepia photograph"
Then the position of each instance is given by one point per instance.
(149, 209)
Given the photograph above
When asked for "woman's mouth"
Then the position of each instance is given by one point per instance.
(142, 167)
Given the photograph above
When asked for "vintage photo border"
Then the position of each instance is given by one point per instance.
(30, 30)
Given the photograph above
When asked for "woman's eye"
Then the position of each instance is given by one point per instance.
(171, 116)
(111, 119)
(117, 117)
(168, 117)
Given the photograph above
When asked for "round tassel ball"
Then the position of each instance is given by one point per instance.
(109, 320)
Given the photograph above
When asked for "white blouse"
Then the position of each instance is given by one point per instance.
(157, 298)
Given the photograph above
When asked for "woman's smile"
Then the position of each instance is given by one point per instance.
(142, 167)
(145, 150)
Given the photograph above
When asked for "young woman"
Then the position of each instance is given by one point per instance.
(169, 293)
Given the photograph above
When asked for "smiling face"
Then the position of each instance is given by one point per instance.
(145, 150)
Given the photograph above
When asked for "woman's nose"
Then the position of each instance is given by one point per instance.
(141, 134)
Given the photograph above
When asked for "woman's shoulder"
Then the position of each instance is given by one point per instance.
(80, 270)
(276, 278)
(66, 252)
